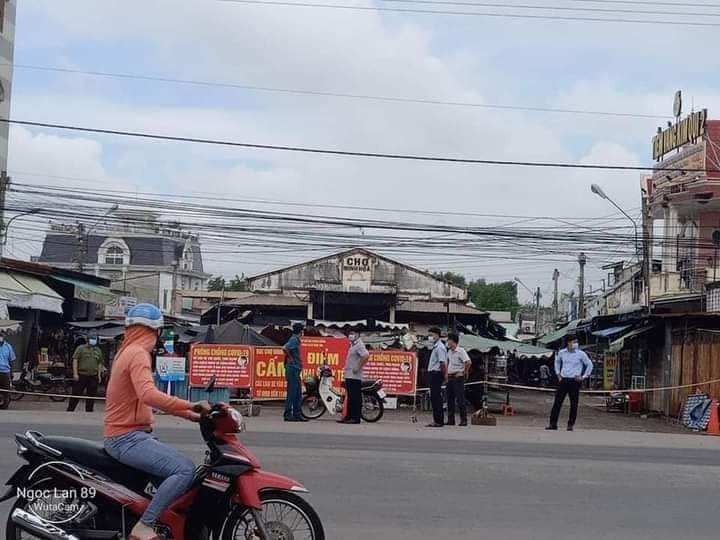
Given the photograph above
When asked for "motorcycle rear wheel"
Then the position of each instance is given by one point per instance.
(312, 407)
(58, 388)
(283, 513)
(372, 407)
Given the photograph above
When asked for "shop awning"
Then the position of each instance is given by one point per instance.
(607, 332)
(559, 334)
(28, 292)
(619, 343)
(90, 292)
(391, 325)
(520, 350)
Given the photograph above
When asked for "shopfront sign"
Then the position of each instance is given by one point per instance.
(230, 364)
(681, 132)
(357, 271)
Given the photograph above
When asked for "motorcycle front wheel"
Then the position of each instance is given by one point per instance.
(372, 407)
(285, 516)
(312, 407)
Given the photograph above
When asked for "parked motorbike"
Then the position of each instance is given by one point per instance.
(320, 396)
(70, 489)
(53, 382)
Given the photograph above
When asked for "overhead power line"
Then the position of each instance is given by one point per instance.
(346, 153)
(343, 95)
(554, 8)
(474, 13)
(649, 3)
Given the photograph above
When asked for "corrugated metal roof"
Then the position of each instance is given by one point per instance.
(419, 306)
(266, 300)
(559, 334)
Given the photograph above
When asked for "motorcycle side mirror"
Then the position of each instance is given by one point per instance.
(211, 385)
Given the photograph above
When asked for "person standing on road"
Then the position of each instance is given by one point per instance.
(293, 371)
(458, 369)
(572, 366)
(436, 375)
(88, 364)
(357, 357)
(7, 357)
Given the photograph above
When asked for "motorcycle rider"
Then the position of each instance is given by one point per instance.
(131, 395)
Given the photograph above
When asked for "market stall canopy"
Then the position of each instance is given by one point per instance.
(8, 325)
(28, 292)
(607, 332)
(89, 292)
(95, 324)
(481, 344)
(232, 332)
(559, 334)
(619, 343)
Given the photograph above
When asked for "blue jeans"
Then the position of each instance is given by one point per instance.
(144, 452)
(293, 401)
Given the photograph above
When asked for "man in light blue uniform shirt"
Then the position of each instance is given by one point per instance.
(572, 366)
(437, 374)
(7, 357)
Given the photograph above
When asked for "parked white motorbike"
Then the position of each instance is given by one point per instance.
(320, 396)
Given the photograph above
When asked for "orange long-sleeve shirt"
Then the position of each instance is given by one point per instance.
(131, 391)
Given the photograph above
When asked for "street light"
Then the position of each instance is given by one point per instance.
(536, 296)
(597, 190)
(32, 211)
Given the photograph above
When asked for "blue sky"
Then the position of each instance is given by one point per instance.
(616, 67)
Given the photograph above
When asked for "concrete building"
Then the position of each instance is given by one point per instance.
(146, 260)
(353, 286)
(7, 53)
(682, 198)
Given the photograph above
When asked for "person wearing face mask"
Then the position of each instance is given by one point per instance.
(7, 357)
(128, 432)
(572, 366)
(437, 374)
(357, 357)
(88, 364)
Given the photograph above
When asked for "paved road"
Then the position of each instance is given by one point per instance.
(400, 482)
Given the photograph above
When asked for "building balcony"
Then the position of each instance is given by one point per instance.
(666, 285)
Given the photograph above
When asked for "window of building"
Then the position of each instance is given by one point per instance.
(187, 304)
(114, 255)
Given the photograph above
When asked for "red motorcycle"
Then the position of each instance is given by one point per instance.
(70, 489)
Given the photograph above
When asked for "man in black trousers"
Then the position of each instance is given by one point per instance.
(437, 375)
(572, 366)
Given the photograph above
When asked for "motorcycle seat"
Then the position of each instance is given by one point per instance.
(369, 383)
(93, 456)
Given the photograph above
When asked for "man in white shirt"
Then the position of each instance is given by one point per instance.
(572, 366)
(458, 369)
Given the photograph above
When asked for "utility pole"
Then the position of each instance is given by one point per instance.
(537, 312)
(556, 276)
(82, 245)
(646, 249)
(4, 183)
(582, 259)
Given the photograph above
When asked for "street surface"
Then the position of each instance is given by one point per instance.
(399, 481)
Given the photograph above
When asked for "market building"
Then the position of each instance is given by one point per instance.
(147, 260)
(356, 287)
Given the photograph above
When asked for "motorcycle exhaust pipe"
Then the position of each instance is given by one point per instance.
(38, 527)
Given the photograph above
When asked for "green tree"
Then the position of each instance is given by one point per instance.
(216, 283)
(501, 296)
(452, 277)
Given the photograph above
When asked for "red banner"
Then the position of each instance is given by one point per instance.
(316, 351)
(270, 380)
(231, 365)
(397, 369)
